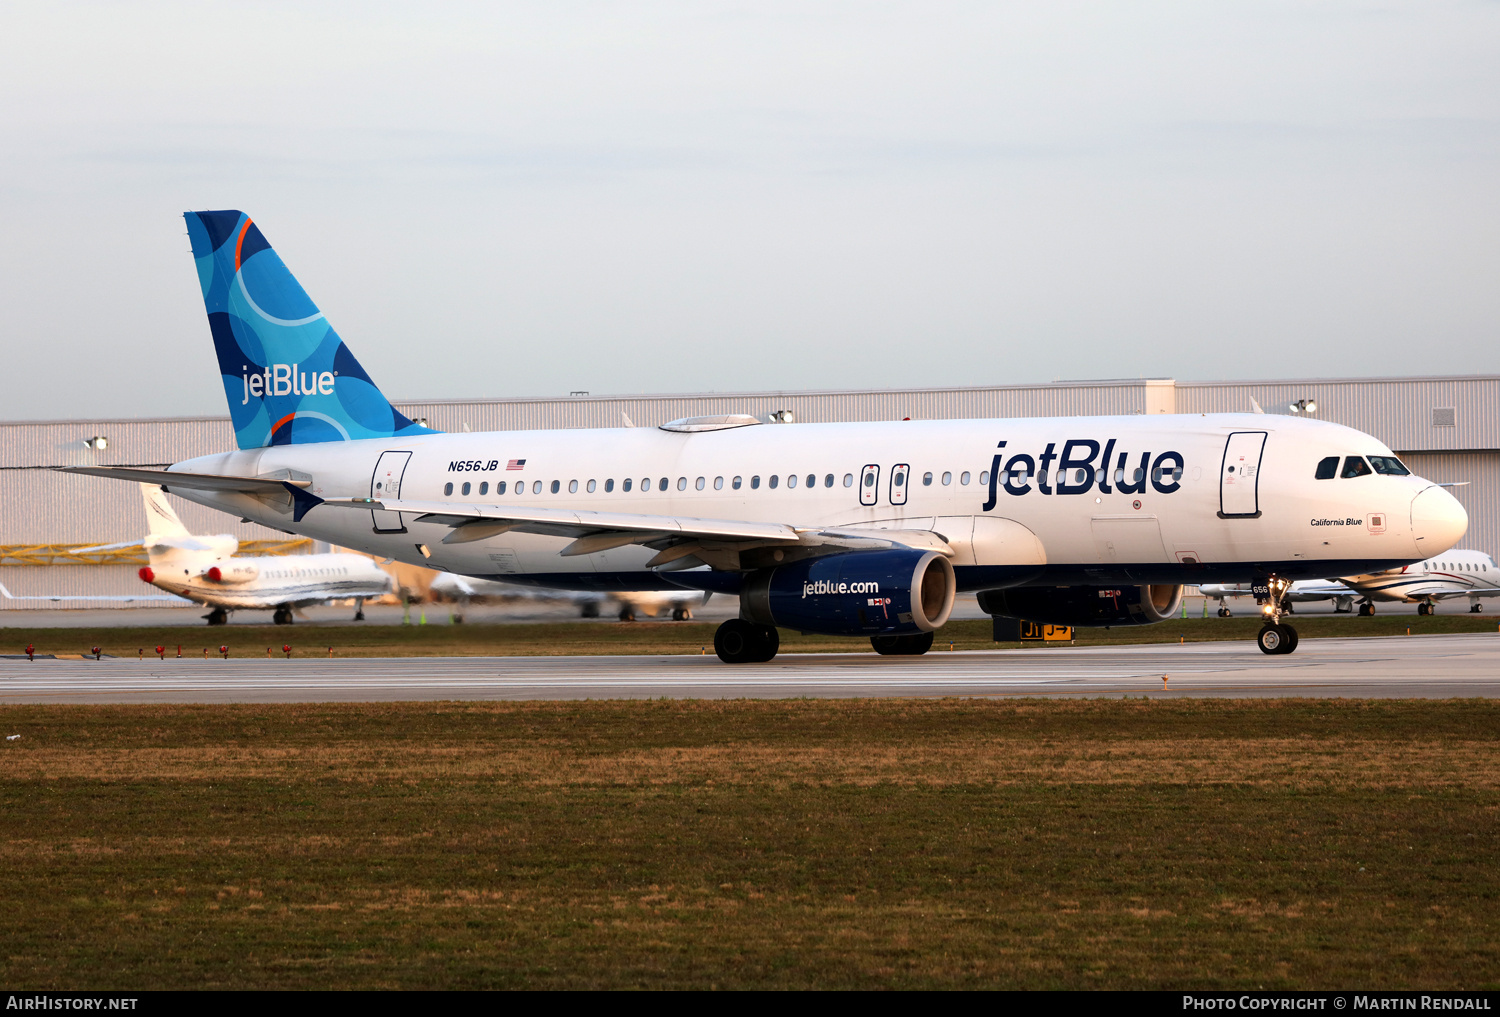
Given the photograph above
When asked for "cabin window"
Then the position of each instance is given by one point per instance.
(609, 486)
(1389, 465)
(718, 483)
(1355, 466)
(448, 488)
(645, 483)
(465, 488)
(963, 478)
(754, 483)
(500, 487)
(625, 485)
(1119, 476)
(984, 476)
(774, 481)
(947, 479)
(698, 484)
(536, 487)
(899, 480)
(555, 486)
(927, 480)
(1138, 476)
(848, 480)
(592, 485)
(484, 487)
(791, 481)
(1327, 468)
(572, 487)
(735, 483)
(869, 480)
(812, 480)
(681, 483)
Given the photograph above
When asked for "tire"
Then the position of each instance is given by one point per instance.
(681, 614)
(1223, 612)
(1424, 610)
(902, 646)
(626, 614)
(1367, 610)
(739, 642)
(1292, 640)
(218, 616)
(1273, 639)
(1475, 609)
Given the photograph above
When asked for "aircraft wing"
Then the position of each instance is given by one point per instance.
(195, 481)
(129, 599)
(681, 541)
(1445, 594)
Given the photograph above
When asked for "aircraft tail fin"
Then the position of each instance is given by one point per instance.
(161, 520)
(289, 378)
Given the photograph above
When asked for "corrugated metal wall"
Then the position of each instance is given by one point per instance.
(40, 506)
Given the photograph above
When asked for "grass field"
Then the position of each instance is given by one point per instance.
(830, 843)
(566, 638)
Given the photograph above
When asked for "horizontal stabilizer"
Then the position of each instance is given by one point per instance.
(192, 481)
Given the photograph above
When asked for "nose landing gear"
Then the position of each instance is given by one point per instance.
(1276, 636)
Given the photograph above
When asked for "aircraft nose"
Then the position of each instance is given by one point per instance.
(1438, 521)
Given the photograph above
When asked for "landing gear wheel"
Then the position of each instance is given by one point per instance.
(218, 616)
(1367, 610)
(681, 614)
(902, 646)
(1424, 609)
(1475, 609)
(1277, 639)
(626, 614)
(283, 616)
(1223, 612)
(740, 642)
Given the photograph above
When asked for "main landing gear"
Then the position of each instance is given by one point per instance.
(1367, 609)
(218, 616)
(1424, 608)
(1276, 636)
(902, 646)
(283, 616)
(1475, 608)
(359, 609)
(742, 642)
(1224, 611)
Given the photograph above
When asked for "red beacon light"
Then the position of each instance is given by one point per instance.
(147, 576)
(214, 575)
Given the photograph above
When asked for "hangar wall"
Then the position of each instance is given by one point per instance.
(1445, 428)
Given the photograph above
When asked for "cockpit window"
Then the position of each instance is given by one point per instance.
(1389, 465)
(1327, 468)
(1355, 466)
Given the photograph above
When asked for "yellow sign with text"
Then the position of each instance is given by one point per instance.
(1046, 633)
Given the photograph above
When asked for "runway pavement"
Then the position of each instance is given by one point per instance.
(1415, 666)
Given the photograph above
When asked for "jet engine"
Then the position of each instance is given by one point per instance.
(896, 592)
(233, 574)
(1084, 605)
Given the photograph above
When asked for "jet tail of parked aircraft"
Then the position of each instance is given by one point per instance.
(289, 378)
(161, 520)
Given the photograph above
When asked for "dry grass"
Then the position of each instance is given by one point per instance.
(795, 843)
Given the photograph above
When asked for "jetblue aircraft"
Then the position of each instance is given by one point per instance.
(862, 529)
(1456, 573)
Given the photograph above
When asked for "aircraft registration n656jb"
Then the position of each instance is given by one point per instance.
(860, 529)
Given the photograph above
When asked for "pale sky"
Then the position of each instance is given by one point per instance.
(526, 199)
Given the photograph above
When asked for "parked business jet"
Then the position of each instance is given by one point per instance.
(632, 604)
(1303, 591)
(207, 571)
(1457, 573)
(860, 529)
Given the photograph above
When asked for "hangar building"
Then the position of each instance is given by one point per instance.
(1446, 429)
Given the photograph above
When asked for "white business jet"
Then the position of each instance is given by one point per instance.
(858, 529)
(1303, 591)
(632, 604)
(206, 571)
(1456, 573)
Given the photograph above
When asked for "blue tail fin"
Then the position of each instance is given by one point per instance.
(289, 378)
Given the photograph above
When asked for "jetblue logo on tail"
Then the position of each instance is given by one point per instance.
(288, 377)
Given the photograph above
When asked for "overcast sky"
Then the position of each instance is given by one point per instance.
(528, 199)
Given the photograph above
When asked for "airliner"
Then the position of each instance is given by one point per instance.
(207, 571)
(1456, 573)
(855, 529)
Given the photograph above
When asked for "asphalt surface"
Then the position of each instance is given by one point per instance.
(1396, 667)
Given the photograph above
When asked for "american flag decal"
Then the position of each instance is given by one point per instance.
(515, 464)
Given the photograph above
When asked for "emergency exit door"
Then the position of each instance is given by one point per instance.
(385, 485)
(1239, 475)
(869, 485)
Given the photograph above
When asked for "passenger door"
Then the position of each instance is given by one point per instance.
(899, 474)
(1239, 475)
(386, 484)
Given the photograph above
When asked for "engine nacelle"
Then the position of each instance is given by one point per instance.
(232, 574)
(856, 593)
(1084, 605)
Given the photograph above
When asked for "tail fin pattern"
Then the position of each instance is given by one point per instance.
(161, 520)
(289, 378)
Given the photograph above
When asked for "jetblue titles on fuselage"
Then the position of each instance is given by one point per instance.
(1083, 464)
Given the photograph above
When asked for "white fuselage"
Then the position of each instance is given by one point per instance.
(217, 579)
(1120, 521)
(1453, 573)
